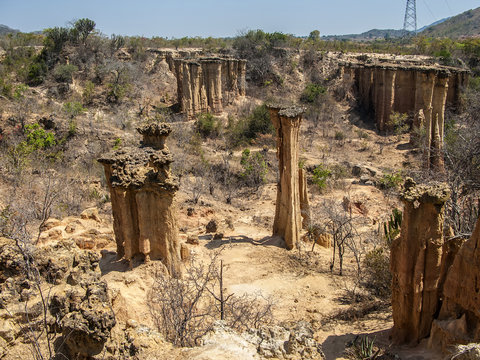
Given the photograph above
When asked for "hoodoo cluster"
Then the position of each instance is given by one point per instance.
(208, 84)
(142, 192)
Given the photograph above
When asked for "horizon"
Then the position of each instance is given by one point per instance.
(224, 19)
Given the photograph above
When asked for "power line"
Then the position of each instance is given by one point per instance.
(429, 10)
(449, 8)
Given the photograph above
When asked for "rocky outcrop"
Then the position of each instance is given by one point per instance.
(74, 308)
(287, 223)
(416, 261)
(422, 92)
(142, 193)
(459, 317)
(208, 84)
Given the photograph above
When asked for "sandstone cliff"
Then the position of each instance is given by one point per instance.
(208, 84)
(287, 223)
(416, 261)
(422, 92)
(459, 317)
(142, 192)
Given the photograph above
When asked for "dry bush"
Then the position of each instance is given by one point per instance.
(185, 309)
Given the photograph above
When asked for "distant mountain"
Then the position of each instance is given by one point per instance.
(368, 35)
(433, 24)
(464, 25)
(4, 29)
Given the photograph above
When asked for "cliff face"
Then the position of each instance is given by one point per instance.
(288, 220)
(436, 283)
(208, 84)
(142, 193)
(459, 317)
(416, 262)
(422, 92)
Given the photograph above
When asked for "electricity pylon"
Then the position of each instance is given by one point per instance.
(410, 22)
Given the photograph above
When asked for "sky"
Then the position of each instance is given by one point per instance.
(225, 18)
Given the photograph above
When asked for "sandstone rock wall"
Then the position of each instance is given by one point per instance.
(422, 92)
(461, 295)
(287, 223)
(416, 262)
(208, 84)
(142, 193)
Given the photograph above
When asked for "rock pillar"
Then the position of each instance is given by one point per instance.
(208, 84)
(142, 193)
(416, 261)
(287, 223)
(304, 203)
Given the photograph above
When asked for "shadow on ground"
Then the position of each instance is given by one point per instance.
(242, 239)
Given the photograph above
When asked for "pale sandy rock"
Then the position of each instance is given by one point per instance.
(142, 192)
(91, 213)
(208, 84)
(288, 221)
(324, 240)
(416, 261)
(421, 91)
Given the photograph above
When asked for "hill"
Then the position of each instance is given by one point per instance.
(466, 24)
(367, 35)
(4, 29)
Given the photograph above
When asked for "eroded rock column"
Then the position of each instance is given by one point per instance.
(288, 220)
(416, 261)
(304, 203)
(142, 193)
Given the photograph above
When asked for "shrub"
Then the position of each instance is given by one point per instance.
(312, 92)
(255, 168)
(88, 92)
(73, 109)
(339, 135)
(320, 176)
(38, 138)
(64, 72)
(398, 123)
(378, 278)
(248, 128)
(207, 125)
(391, 181)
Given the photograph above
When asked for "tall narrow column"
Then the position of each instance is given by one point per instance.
(415, 261)
(288, 221)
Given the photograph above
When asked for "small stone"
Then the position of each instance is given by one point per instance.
(218, 236)
(190, 211)
(133, 324)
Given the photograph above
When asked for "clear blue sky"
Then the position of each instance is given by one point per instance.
(177, 18)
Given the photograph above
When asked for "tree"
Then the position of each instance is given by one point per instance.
(314, 35)
(83, 28)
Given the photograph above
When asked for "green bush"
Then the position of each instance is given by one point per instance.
(390, 181)
(398, 123)
(312, 92)
(64, 72)
(38, 138)
(248, 128)
(255, 168)
(207, 125)
(36, 73)
(73, 109)
(320, 176)
(88, 92)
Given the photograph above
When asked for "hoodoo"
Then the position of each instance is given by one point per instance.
(142, 192)
(208, 84)
(416, 261)
(288, 220)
